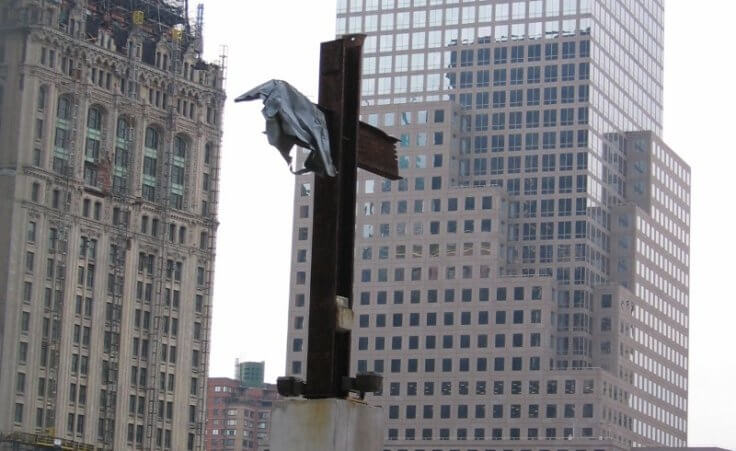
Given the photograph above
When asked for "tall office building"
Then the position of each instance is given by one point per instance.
(250, 374)
(525, 286)
(109, 153)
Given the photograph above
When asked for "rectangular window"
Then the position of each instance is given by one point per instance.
(499, 77)
(18, 415)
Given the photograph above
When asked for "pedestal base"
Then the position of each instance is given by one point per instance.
(325, 425)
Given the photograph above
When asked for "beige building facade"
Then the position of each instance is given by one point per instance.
(525, 286)
(109, 150)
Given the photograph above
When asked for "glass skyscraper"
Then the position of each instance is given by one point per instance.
(525, 286)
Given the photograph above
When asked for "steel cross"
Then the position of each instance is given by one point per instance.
(353, 144)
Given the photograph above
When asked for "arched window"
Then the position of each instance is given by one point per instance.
(94, 118)
(181, 151)
(180, 146)
(209, 156)
(124, 130)
(64, 109)
(123, 140)
(62, 135)
(151, 148)
(92, 146)
(152, 138)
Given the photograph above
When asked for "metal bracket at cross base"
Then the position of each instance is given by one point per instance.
(353, 144)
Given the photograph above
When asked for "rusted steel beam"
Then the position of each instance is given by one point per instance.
(328, 352)
(377, 152)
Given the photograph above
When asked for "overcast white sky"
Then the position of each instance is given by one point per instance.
(280, 39)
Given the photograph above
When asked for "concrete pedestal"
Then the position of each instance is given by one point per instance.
(325, 425)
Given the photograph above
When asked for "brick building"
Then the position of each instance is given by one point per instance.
(238, 418)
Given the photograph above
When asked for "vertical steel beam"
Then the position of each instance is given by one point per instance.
(333, 231)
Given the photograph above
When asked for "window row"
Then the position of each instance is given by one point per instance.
(547, 207)
(499, 387)
(171, 298)
(431, 319)
(520, 53)
(534, 97)
(404, 118)
(548, 433)
(417, 251)
(402, 84)
(447, 342)
(552, 29)
(565, 186)
(118, 178)
(532, 186)
(503, 11)
(466, 295)
(449, 365)
(432, 295)
(432, 273)
(496, 411)
(452, 226)
(516, 76)
(482, 122)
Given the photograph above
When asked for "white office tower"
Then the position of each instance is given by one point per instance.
(525, 286)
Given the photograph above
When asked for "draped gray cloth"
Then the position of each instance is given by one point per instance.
(291, 118)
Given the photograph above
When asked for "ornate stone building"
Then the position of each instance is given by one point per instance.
(109, 148)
